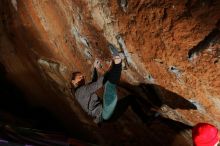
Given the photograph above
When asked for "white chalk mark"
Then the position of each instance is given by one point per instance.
(84, 41)
(149, 78)
(14, 3)
(175, 70)
(125, 50)
(199, 107)
(193, 57)
(124, 5)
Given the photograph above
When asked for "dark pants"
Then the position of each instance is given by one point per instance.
(111, 78)
(113, 75)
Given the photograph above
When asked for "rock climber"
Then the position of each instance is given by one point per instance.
(205, 134)
(86, 95)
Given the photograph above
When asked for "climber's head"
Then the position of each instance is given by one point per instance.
(77, 79)
(205, 134)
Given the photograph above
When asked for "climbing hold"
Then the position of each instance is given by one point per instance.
(149, 78)
(158, 60)
(122, 45)
(198, 106)
(175, 70)
(124, 5)
(88, 54)
(84, 41)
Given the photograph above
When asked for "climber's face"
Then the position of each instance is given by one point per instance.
(78, 80)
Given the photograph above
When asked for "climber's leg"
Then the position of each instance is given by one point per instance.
(110, 92)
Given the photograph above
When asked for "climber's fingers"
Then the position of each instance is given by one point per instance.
(117, 59)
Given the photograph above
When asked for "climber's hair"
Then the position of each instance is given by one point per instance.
(73, 88)
(74, 74)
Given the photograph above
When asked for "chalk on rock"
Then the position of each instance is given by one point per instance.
(175, 70)
(149, 78)
(88, 54)
(84, 41)
(114, 51)
(124, 5)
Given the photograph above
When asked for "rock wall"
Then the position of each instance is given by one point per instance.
(171, 44)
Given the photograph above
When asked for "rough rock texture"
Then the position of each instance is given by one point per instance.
(169, 43)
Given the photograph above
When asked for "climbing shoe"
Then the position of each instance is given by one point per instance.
(113, 50)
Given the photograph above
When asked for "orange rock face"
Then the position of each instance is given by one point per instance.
(173, 45)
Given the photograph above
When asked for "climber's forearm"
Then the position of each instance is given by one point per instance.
(94, 75)
(94, 86)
